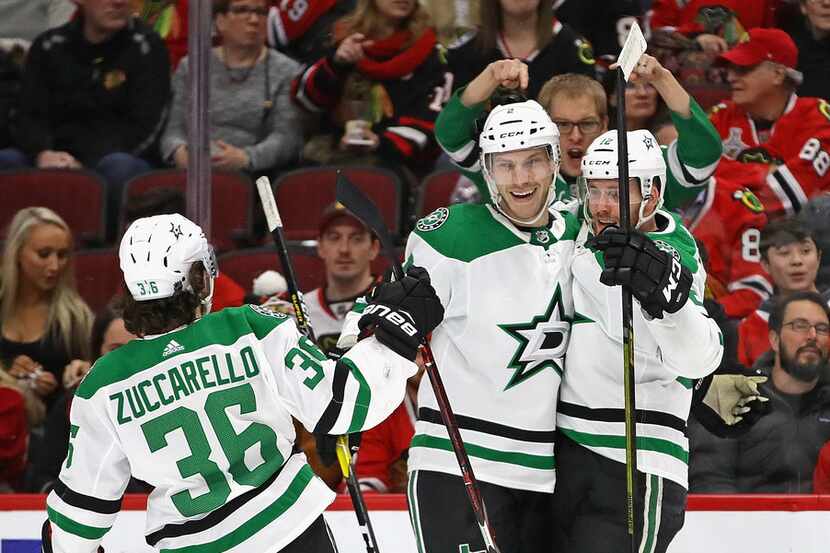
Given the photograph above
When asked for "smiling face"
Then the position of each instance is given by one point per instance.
(793, 266)
(579, 124)
(604, 202)
(44, 257)
(523, 178)
(751, 86)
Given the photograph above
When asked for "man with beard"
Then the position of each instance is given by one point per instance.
(779, 453)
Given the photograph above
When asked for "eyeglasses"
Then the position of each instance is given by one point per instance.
(803, 326)
(587, 126)
(243, 10)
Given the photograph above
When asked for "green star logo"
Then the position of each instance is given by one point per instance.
(542, 342)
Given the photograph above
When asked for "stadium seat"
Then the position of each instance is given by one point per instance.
(302, 195)
(436, 190)
(231, 201)
(75, 195)
(244, 265)
(97, 276)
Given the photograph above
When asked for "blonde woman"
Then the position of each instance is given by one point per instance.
(383, 82)
(45, 323)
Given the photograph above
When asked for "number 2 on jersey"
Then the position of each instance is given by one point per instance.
(233, 445)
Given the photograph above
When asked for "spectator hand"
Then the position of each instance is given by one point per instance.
(229, 157)
(51, 159)
(45, 383)
(351, 50)
(74, 372)
(24, 366)
(180, 157)
(712, 44)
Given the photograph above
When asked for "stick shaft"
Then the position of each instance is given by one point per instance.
(272, 215)
(627, 324)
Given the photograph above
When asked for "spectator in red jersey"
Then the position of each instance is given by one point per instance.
(383, 84)
(20, 410)
(790, 255)
(715, 25)
(301, 29)
(767, 128)
(810, 30)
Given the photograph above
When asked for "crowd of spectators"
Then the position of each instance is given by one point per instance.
(103, 85)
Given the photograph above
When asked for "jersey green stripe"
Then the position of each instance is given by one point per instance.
(68, 525)
(543, 462)
(652, 514)
(222, 328)
(258, 521)
(645, 443)
(363, 399)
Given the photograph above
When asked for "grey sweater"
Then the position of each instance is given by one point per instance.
(237, 110)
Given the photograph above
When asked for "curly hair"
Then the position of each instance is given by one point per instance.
(161, 315)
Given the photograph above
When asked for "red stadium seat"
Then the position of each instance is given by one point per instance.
(75, 195)
(97, 276)
(302, 195)
(244, 265)
(436, 190)
(231, 201)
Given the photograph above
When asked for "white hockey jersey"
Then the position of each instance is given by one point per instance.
(668, 354)
(327, 318)
(203, 414)
(499, 350)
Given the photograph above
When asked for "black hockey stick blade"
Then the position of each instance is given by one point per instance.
(364, 209)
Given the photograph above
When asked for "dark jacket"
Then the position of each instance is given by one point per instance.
(813, 58)
(777, 455)
(567, 52)
(94, 99)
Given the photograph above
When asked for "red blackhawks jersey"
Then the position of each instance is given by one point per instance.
(794, 154)
(727, 218)
(692, 17)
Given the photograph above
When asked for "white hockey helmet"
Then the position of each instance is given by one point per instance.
(157, 252)
(645, 163)
(512, 127)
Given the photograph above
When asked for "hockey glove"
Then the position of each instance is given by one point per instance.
(727, 405)
(403, 312)
(657, 279)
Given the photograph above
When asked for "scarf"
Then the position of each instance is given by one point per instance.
(387, 59)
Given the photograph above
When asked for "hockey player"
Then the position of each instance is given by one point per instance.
(675, 342)
(580, 110)
(501, 272)
(200, 407)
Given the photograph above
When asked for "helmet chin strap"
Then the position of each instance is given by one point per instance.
(207, 301)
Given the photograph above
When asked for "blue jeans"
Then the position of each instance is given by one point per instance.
(116, 169)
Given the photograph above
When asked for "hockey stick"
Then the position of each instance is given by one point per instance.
(363, 208)
(272, 215)
(627, 322)
(632, 50)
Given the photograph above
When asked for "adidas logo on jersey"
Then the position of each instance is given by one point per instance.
(172, 347)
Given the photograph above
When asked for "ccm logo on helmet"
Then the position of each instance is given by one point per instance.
(511, 133)
(393, 317)
(598, 162)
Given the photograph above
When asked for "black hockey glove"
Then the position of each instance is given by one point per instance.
(727, 405)
(403, 312)
(657, 279)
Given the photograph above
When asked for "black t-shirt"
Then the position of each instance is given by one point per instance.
(47, 351)
(603, 22)
(567, 52)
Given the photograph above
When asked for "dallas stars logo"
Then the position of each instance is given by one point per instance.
(542, 341)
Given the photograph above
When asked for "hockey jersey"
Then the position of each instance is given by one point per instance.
(507, 302)
(727, 18)
(668, 354)
(690, 160)
(203, 414)
(794, 154)
(727, 218)
(326, 317)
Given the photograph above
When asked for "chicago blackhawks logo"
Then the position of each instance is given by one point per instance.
(749, 199)
(542, 342)
(434, 220)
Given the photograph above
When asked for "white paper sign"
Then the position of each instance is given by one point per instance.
(634, 47)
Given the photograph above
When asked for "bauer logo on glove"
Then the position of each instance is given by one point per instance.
(656, 278)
